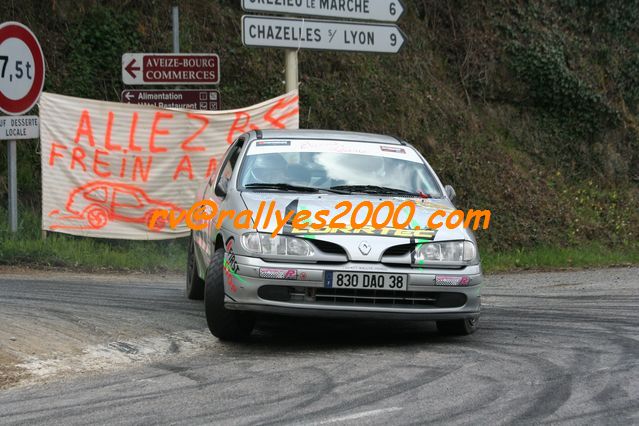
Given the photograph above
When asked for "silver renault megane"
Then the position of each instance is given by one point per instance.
(377, 258)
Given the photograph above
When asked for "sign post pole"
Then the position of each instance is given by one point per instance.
(176, 29)
(292, 73)
(13, 185)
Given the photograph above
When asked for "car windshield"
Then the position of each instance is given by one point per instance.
(343, 167)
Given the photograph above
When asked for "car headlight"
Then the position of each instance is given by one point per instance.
(280, 245)
(459, 252)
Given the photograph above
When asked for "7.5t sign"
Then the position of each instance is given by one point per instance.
(21, 68)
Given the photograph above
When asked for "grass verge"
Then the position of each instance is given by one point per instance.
(27, 248)
(547, 258)
(90, 254)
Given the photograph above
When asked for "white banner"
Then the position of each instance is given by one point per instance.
(106, 166)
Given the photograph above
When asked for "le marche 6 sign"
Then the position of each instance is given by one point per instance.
(21, 68)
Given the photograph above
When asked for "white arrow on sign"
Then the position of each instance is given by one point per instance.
(132, 68)
(373, 10)
(291, 33)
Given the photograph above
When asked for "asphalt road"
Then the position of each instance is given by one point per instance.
(552, 348)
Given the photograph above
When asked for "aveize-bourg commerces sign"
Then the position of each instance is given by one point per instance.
(170, 68)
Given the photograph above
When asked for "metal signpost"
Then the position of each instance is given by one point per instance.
(175, 13)
(21, 82)
(293, 34)
(367, 10)
(202, 99)
(170, 68)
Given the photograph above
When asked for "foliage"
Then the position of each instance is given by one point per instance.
(528, 108)
(95, 46)
(557, 91)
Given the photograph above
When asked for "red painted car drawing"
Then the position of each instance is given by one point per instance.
(99, 202)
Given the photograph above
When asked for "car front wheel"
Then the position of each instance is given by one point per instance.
(225, 324)
(460, 327)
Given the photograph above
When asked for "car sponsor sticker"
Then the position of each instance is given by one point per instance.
(333, 147)
(273, 143)
(392, 149)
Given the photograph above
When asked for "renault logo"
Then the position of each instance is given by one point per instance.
(364, 247)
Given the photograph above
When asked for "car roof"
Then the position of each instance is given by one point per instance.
(325, 135)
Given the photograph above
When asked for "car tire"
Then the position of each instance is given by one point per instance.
(225, 324)
(460, 327)
(194, 284)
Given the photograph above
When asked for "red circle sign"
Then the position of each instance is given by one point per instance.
(21, 68)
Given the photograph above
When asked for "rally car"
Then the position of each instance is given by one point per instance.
(360, 266)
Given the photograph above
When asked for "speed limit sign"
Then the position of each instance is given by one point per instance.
(21, 68)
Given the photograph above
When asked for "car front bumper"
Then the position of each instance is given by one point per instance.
(242, 283)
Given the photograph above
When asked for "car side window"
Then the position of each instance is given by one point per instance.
(229, 165)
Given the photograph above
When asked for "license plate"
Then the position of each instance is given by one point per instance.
(365, 281)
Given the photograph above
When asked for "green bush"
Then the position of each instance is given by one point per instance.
(556, 90)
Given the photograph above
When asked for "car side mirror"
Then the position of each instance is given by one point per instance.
(450, 192)
(221, 187)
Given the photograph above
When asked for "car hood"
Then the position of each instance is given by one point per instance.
(285, 202)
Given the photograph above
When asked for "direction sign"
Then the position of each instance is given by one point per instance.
(19, 127)
(21, 68)
(176, 68)
(372, 10)
(203, 99)
(266, 31)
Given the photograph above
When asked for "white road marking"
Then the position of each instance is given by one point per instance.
(359, 415)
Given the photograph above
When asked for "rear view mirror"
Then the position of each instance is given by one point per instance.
(450, 192)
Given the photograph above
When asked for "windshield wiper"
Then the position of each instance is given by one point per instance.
(281, 187)
(289, 187)
(375, 189)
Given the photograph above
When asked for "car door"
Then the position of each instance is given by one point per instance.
(206, 237)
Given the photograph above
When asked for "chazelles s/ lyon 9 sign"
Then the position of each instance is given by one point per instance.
(106, 167)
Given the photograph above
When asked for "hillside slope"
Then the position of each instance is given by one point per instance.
(527, 108)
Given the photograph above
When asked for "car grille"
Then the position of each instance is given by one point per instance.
(399, 250)
(327, 247)
(350, 297)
